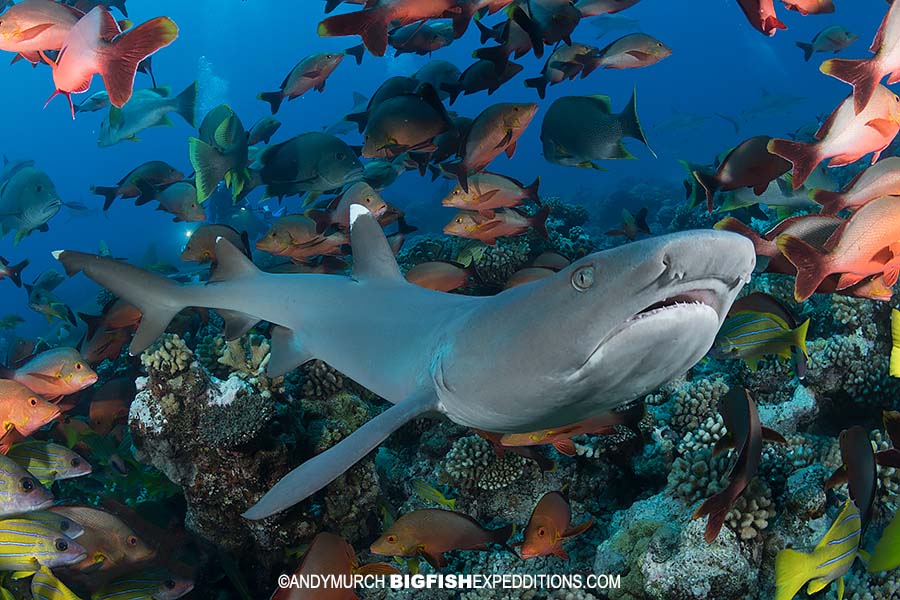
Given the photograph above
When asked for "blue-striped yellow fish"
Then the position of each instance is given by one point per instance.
(28, 545)
(20, 492)
(48, 462)
(431, 494)
(829, 561)
(750, 334)
(63, 524)
(150, 585)
(895, 342)
(45, 586)
(886, 555)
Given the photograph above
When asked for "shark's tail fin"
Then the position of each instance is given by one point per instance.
(158, 298)
(321, 470)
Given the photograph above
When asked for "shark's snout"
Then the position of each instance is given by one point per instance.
(699, 255)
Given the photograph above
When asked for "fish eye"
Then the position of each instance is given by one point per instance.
(170, 584)
(132, 540)
(62, 545)
(33, 401)
(542, 532)
(78, 366)
(64, 526)
(392, 539)
(27, 484)
(76, 462)
(583, 279)
(459, 220)
(341, 156)
(39, 189)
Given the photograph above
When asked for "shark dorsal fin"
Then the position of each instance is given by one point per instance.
(231, 263)
(372, 255)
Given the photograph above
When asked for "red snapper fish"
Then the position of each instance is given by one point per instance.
(96, 45)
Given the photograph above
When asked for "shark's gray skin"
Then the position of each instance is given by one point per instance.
(606, 330)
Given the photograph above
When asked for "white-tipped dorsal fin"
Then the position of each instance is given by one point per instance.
(231, 263)
(372, 255)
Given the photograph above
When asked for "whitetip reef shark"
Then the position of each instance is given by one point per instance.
(609, 328)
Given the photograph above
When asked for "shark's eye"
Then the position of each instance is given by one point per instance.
(583, 279)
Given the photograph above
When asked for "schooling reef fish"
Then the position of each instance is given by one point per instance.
(671, 295)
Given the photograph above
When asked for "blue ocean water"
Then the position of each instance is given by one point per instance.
(236, 49)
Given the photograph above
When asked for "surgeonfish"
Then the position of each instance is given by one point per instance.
(830, 560)
(745, 435)
(858, 470)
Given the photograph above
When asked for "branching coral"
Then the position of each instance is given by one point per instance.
(169, 357)
(751, 513)
(694, 402)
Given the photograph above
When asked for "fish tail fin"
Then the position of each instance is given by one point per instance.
(128, 50)
(187, 104)
(15, 272)
(357, 52)
(210, 166)
(366, 23)
(799, 337)
(454, 89)
(710, 184)
(539, 221)
(459, 170)
(501, 536)
(791, 573)
(632, 125)
(158, 298)
(322, 218)
(487, 34)
(496, 54)
(735, 226)
(716, 509)
(807, 50)
(540, 84)
(273, 98)
(812, 268)
(324, 468)
(532, 29)
(109, 195)
(832, 202)
(534, 190)
(804, 157)
(858, 73)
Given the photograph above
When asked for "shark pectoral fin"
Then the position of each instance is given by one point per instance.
(237, 324)
(287, 352)
(372, 254)
(321, 470)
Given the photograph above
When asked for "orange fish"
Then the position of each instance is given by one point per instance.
(54, 373)
(338, 210)
(866, 74)
(431, 532)
(31, 26)
(22, 410)
(867, 244)
(330, 554)
(561, 437)
(96, 45)
(846, 136)
(110, 542)
(297, 237)
(440, 275)
(110, 404)
(105, 344)
(810, 7)
(761, 14)
(503, 223)
(549, 526)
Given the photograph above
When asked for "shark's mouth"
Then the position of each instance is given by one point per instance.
(695, 297)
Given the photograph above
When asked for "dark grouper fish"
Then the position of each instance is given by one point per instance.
(671, 295)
